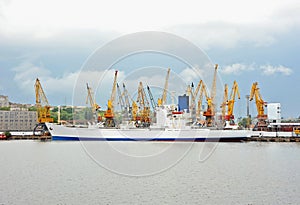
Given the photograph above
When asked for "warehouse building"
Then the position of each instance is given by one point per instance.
(17, 120)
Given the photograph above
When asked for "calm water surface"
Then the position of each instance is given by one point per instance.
(35, 172)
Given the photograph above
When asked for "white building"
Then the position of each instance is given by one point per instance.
(274, 112)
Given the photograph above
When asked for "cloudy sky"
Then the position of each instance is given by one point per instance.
(250, 40)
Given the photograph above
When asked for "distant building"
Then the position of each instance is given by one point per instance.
(19, 106)
(274, 112)
(4, 102)
(17, 120)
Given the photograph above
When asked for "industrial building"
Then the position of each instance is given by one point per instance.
(274, 112)
(17, 120)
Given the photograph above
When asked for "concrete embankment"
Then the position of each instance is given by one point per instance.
(274, 139)
(30, 137)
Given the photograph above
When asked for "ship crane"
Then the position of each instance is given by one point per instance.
(260, 104)
(144, 106)
(43, 108)
(109, 114)
(210, 111)
(162, 101)
(95, 107)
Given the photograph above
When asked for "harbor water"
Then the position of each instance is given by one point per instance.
(34, 172)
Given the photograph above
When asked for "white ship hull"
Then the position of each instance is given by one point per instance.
(59, 132)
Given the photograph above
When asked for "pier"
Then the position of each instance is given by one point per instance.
(273, 139)
(30, 137)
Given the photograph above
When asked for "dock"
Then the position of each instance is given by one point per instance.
(273, 139)
(31, 137)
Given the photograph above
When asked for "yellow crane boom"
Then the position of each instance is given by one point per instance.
(230, 104)
(225, 101)
(109, 114)
(214, 89)
(198, 88)
(260, 103)
(202, 91)
(42, 104)
(130, 109)
(161, 101)
(144, 106)
(210, 111)
(90, 99)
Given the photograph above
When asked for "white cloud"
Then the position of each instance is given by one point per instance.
(271, 70)
(137, 15)
(71, 85)
(239, 68)
(231, 22)
(26, 73)
(236, 68)
(195, 73)
(188, 74)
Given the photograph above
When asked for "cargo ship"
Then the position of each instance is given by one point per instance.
(60, 132)
(174, 127)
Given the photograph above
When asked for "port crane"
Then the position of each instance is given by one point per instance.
(43, 108)
(144, 106)
(230, 104)
(210, 111)
(130, 109)
(42, 104)
(161, 101)
(225, 101)
(121, 101)
(153, 104)
(199, 104)
(95, 107)
(109, 113)
(260, 104)
(194, 96)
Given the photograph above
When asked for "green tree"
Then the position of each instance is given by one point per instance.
(33, 108)
(7, 134)
(55, 109)
(244, 122)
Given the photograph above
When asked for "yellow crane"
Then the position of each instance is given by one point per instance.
(130, 109)
(202, 91)
(260, 103)
(134, 112)
(109, 114)
(194, 95)
(42, 104)
(230, 104)
(225, 101)
(90, 99)
(144, 106)
(161, 101)
(210, 111)
(202, 88)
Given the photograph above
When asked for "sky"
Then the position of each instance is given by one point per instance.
(52, 40)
